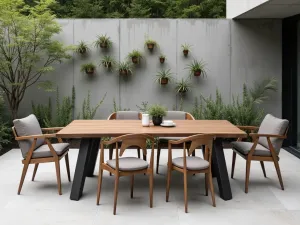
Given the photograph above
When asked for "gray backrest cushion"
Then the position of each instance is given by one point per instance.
(26, 127)
(272, 125)
(127, 115)
(175, 115)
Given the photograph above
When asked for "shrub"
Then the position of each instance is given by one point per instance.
(42, 112)
(157, 111)
(5, 132)
(88, 112)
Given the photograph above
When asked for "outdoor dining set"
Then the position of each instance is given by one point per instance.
(126, 131)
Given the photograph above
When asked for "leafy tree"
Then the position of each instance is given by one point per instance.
(27, 50)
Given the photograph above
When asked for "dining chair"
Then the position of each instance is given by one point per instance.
(124, 115)
(36, 147)
(127, 166)
(163, 141)
(192, 165)
(265, 146)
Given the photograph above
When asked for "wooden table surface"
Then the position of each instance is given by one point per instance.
(113, 128)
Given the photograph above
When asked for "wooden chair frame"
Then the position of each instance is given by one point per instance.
(36, 161)
(127, 141)
(250, 157)
(162, 145)
(195, 141)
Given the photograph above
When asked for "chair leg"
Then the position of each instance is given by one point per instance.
(139, 153)
(25, 168)
(151, 188)
(233, 164)
(99, 184)
(110, 154)
(278, 173)
(169, 173)
(58, 176)
(194, 153)
(248, 164)
(211, 187)
(116, 193)
(68, 166)
(157, 158)
(132, 184)
(185, 191)
(263, 168)
(34, 171)
(206, 184)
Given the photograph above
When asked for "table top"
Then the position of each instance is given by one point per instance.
(183, 128)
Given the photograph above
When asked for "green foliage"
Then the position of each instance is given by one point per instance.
(197, 110)
(82, 47)
(88, 112)
(5, 131)
(135, 54)
(88, 67)
(42, 112)
(164, 74)
(125, 67)
(144, 107)
(103, 41)
(108, 61)
(150, 41)
(162, 56)
(117, 108)
(157, 110)
(27, 47)
(183, 86)
(196, 66)
(186, 47)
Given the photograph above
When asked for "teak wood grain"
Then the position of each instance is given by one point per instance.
(113, 128)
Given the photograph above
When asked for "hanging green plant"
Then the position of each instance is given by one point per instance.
(183, 86)
(186, 48)
(151, 44)
(82, 48)
(125, 68)
(163, 77)
(103, 41)
(135, 56)
(88, 68)
(162, 58)
(197, 68)
(108, 62)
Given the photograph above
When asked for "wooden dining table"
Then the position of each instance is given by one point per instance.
(91, 131)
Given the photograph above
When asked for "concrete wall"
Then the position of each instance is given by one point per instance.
(238, 7)
(236, 52)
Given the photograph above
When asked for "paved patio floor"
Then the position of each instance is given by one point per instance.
(39, 203)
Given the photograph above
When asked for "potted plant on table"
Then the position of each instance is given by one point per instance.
(157, 112)
(103, 41)
(163, 77)
(196, 68)
(88, 68)
(186, 48)
(108, 61)
(183, 86)
(135, 56)
(82, 48)
(162, 58)
(125, 68)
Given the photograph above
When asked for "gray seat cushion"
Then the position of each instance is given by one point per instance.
(192, 163)
(26, 127)
(128, 164)
(175, 115)
(44, 151)
(245, 147)
(272, 125)
(166, 139)
(127, 115)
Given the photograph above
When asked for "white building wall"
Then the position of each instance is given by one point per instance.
(237, 7)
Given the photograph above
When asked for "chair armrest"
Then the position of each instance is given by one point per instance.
(39, 136)
(267, 135)
(52, 129)
(248, 127)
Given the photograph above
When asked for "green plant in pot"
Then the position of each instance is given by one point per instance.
(164, 76)
(82, 48)
(157, 112)
(162, 58)
(108, 62)
(125, 68)
(151, 44)
(197, 68)
(183, 86)
(135, 56)
(88, 68)
(103, 41)
(186, 48)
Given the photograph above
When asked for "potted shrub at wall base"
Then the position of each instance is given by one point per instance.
(135, 56)
(157, 112)
(183, 86)
(162, 58)
(186, 48)
(108, 61)
(88, 68)
(82, 48)
(150, 43)
(196, 68)
(125, 68)
(163, 77)
(103, 41)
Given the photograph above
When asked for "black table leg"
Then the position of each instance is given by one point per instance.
(93, 157)
(220, 170)
(81, 168)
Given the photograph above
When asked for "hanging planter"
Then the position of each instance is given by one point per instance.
(125, 68)
(88, 68)
(82, 48)
(163, 77)
(183, 86)
(135, 56)
(151, 44)
(103, 42)
(162, 59)
(196, 68)
(186, 48)
(108, 62)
